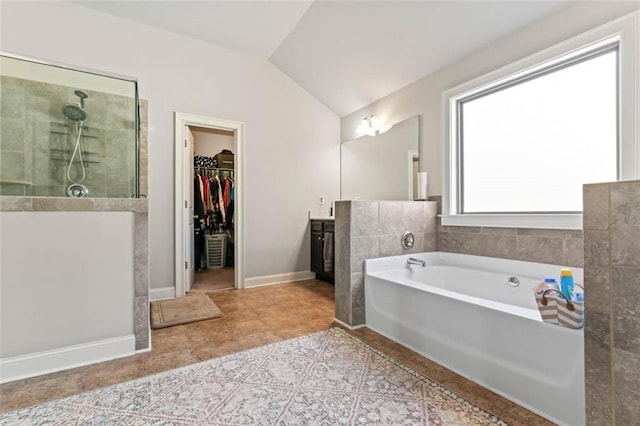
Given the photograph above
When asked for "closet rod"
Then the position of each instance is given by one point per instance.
(213, 168)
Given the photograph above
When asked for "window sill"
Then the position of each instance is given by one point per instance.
(537, 221)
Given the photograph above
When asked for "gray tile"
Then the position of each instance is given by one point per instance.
(431, 217)
(141, 326)
(11, 134)
(499, 231)
(598, 381)
(498, 245)
(364, 218)
(573, 252)
(627, 387)
(63, 204)
(596, 271)
(357, 290)
(625, 223)
(12, 166)
(144, 147)
(358, 317)
(343, 296)
(430, 242)
(595, 201)
(414, 218)
(465, 243)
(12, 100)
(539, 249)
(12, 190)
(342, 253)
(625, 283)
(389, 245)
(461, 229)
(141, 274)
(556, 233)
(390, 217)
(363, 248)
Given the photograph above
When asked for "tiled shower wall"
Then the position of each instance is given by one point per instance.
(36, 141)
(370, 229)
(612, 300)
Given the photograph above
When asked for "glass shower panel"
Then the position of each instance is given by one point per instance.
(66, 133)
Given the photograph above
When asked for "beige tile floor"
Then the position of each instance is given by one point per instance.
(252, 317)
(209, 280)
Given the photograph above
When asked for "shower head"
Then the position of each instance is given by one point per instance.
(82, 96)
(74, 112)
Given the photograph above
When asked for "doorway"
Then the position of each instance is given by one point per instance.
(203, 260)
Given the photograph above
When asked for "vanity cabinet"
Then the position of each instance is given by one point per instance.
(322, 233)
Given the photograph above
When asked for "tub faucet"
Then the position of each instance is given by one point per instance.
(414, 261)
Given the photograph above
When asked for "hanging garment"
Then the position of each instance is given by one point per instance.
(198, 209)
(220, 200)
(227, 192)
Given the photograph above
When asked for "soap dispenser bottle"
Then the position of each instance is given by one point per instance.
(566, 282)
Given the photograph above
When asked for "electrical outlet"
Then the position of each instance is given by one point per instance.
(322, 200)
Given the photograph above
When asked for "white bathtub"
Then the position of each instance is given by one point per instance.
(460, 312)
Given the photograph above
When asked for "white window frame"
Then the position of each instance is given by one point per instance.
(625, 31)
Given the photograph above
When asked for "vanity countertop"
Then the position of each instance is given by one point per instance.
(321, 218)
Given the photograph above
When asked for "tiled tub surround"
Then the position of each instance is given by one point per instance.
(371, 229)
(140, 272)
(36, 142)
(612, 297)
(554, 246)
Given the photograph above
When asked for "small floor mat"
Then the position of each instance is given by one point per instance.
(190, 308)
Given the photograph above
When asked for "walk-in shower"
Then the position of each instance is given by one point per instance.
(76, 113)
(67, 132)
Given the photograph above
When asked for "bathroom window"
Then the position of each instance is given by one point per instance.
(523, 140)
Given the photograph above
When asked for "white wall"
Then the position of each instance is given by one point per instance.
(67, 279)
(211, 143)
(291, 139)
(424, 97)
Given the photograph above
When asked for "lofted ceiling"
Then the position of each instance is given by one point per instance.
(346, 53)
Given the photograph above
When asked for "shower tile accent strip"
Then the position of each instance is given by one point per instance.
(139, 207)
(371, 229)
(612, 284)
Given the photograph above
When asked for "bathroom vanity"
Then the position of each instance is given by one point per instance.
(323, 249)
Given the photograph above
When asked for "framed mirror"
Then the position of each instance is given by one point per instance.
(381, 167)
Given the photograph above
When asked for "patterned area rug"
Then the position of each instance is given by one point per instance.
(326, 378)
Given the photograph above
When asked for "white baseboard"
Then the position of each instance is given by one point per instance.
(350, 327)
(278, 278)
(35, 364)
(162, 293)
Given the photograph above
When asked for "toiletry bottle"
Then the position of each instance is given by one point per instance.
(552, 283)
(566, 282)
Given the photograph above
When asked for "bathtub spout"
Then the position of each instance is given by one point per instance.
(414, 261)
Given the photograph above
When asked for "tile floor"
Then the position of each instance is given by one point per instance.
(209, 280)
(252, 317)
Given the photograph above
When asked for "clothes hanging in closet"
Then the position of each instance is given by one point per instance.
(213, 200)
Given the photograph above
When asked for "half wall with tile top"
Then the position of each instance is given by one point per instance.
(371, 229)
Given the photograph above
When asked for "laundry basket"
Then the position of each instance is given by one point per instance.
(216, 250)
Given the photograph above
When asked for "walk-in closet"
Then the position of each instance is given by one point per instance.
(213, 209)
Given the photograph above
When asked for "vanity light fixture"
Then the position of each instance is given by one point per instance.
(370, 125)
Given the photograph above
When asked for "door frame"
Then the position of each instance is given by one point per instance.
(185, 164)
